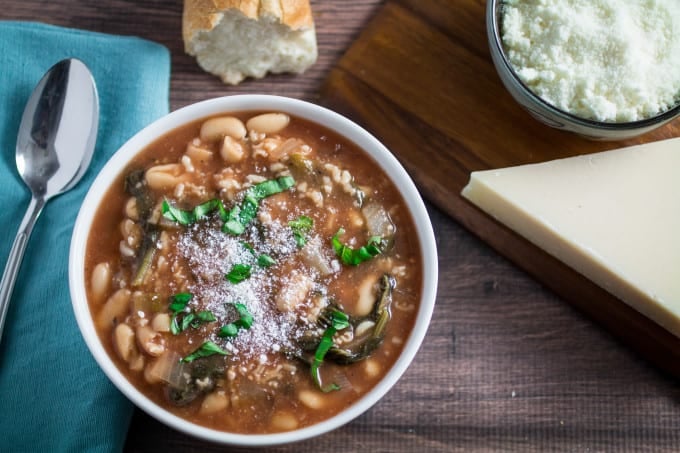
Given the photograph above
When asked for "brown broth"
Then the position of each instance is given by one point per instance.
(257, 403)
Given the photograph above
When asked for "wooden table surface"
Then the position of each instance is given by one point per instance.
(506, 365)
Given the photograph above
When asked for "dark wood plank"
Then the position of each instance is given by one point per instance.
(506, 364)
(450, 115)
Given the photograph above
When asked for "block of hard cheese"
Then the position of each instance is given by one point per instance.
(612, 216)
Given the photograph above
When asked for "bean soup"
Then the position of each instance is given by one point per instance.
(253, 272)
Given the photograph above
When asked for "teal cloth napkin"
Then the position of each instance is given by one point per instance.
(53, 396)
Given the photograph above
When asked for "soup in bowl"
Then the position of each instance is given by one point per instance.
(253, 270)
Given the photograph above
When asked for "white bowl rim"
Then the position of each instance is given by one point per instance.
(241, 103)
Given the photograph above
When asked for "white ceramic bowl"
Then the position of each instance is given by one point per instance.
(297, 108)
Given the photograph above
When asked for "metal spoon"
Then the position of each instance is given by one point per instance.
(56, 139)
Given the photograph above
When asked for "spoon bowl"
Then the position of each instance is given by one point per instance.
(55, 143)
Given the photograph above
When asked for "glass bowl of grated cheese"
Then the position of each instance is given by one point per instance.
(253, 270)
(591, 68)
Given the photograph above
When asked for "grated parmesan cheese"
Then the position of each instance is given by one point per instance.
(607, 60)
(210, 253)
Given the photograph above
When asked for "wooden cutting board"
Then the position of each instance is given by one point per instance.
(421, 79)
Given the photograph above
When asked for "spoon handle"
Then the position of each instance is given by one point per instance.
(16, 255)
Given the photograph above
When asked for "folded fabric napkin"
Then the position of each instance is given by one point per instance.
(53, 396)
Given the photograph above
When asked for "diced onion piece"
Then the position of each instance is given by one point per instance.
(313, 256)
(377, 220)
(161, 322)
(166, 368)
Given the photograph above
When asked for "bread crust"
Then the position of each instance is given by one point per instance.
(204, 15)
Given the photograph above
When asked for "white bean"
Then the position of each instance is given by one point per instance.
(160, 181)
(162, 177)
(131, 209)
(125, 249)
(371, 367)
(284, 421)
(231, 151)
(363, 328)
(100, 281)
(198, 154)
(116, 307)
(124, 341)
(150, 341)
(268, 123)
(214, 402)
(312, 399)
(136, 362)
(366, 298)
(132, 233)
(216, 128)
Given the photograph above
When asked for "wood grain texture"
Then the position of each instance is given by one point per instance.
(452, 99)
(506, 364)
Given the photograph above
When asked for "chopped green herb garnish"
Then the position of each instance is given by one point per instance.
(205, 350)
(272, 186)
(339, 321)
(182, 319)
(245, 318)
(175, 328)
(179, 301)
(240, 216)
(236, 219)
(201, 211)
(205, 316)
(191, 319)
(186, 321)
(244, 321)
(265, 261)
(178, 305)
(248, 247)
(355, 257)
(238, 273)
(230, 330)
(301, 226)
(180, 216)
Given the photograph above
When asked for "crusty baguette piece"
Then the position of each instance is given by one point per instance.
(237, 39)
